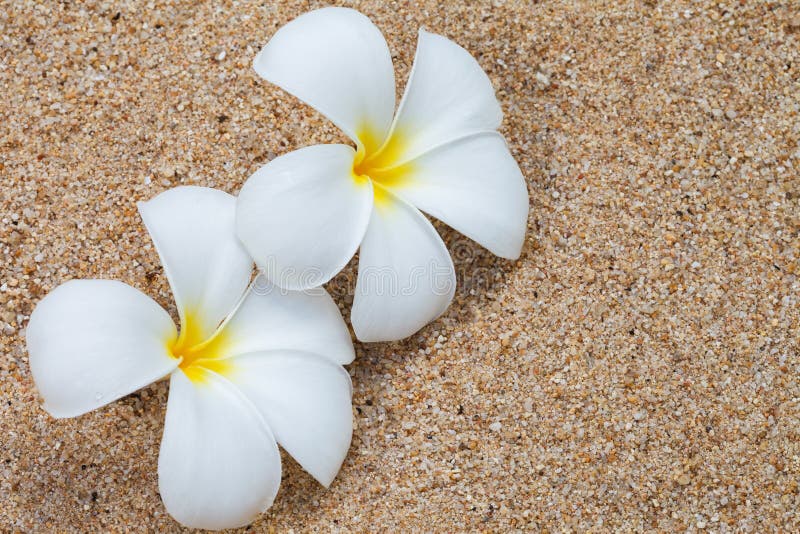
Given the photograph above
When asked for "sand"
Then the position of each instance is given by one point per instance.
(636, 369)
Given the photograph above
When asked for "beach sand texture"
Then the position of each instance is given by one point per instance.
(635, 370)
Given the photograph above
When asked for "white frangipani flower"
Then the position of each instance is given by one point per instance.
(440, 154)
(249, 368)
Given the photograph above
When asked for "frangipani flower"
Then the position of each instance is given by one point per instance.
(249, 368)
(440, 154)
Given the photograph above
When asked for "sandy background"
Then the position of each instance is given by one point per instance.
(635, 370)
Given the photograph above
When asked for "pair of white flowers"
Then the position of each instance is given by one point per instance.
(256, 366)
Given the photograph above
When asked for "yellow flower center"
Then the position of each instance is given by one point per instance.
(197, 355)
(380, 163)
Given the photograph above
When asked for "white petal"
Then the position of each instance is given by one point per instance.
(448, 96)
(302, 215)
(270, 318)
(91, 342)
(406, 278)
(337, 61)
(219, 465)
(475, 186)
(208, 269)
(305, 400)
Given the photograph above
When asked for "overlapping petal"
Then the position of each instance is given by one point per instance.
(271, 318)
(405, 275)
(474, 185)
(448, 96)
(208, 269)
(305, 400)
(219, 465)
(91, 342)
(282, 350)
(337, 61)
(302, 215)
